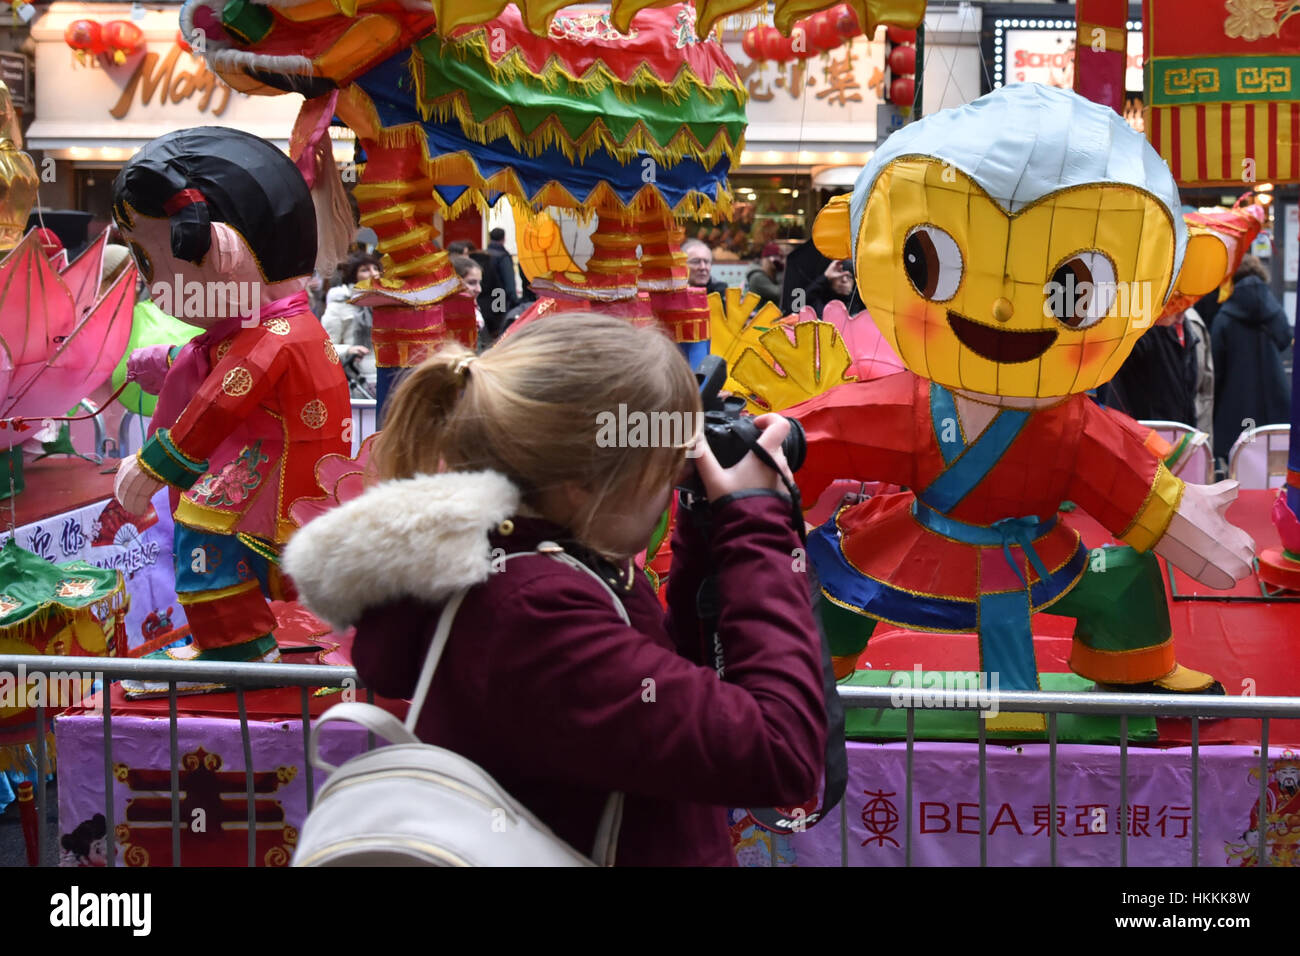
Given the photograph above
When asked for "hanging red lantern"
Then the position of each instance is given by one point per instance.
(801, 44)
(900, 35)
(85, 36)
(846, 21)
(751, 43)
(902, 59)
(776, 47)
(123, 38)
(822, 33)
(902, 92)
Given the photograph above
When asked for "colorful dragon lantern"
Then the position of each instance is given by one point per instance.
(621, 113)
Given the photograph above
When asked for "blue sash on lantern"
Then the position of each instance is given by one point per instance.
(1006, 638)
(1002, 620)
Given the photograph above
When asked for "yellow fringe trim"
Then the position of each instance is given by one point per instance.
(537, 14)
(596, 138)
(460, 169)
(21, 758)
(513, 65)
(27, 628)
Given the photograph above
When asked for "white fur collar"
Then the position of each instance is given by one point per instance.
(423, 537)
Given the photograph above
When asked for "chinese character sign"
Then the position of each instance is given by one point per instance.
(836, 93)
(1156, 812)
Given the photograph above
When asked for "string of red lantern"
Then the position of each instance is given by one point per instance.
(819, 33)
(900, 58)
(119, 39)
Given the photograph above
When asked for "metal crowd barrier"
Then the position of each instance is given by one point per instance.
(243, 677)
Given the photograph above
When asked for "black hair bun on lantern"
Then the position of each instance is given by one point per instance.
(208, 174)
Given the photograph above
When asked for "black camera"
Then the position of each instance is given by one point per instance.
(729, 429)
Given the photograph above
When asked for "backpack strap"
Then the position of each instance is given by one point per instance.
(611, 818)
(443, 630)
(375, 719)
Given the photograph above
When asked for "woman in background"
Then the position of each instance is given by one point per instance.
(348, 326)
(471, 279)
(1249, 335)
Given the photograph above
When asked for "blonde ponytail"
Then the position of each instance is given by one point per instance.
(415, 418)
(530, 407)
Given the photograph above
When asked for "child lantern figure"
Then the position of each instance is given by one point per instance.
(246, 409)
(1017, 247)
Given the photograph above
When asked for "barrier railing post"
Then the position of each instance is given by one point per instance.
(1123, 789)
(110, 838)
(42, 811)
(173, 751)
(246, 739)
(984, 793)
(308, 770)
(1261, 858)
(1196, 791)
(911, 751)
(1051, 752)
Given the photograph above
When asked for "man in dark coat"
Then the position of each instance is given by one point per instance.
(1249, 335)
(500, 294)
(1158, 381)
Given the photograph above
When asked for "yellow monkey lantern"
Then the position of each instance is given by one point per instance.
(1020, 265)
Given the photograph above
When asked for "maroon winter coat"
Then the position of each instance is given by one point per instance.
(543, 686)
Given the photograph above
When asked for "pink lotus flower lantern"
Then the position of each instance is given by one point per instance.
(60, 339)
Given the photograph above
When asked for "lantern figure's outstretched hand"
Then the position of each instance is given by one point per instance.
(1202, 542)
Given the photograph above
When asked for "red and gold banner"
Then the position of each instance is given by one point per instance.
(1223, 90)
(1101, 51)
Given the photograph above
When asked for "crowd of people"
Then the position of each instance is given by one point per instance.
(489, 276)
(1217, 366)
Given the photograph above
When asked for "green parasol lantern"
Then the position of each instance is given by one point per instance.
(150, 325)
(73, 609)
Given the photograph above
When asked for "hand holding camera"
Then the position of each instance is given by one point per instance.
(749, 472)
(738, 452)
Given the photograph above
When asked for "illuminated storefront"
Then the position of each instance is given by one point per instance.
(92, 114)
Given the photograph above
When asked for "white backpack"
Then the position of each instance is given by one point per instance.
(414, 804)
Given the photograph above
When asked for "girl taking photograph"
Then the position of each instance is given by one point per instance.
(542, 683)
